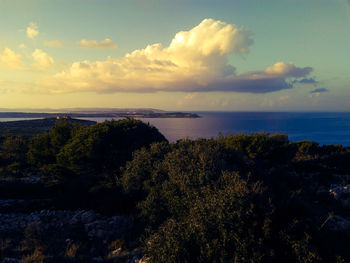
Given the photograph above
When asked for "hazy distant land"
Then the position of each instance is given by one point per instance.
(43, 121)
(94, 113)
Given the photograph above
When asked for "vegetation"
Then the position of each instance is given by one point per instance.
(236, 198)
(30, 128)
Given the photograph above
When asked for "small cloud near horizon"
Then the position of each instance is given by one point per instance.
(53, 43)
(107, 43)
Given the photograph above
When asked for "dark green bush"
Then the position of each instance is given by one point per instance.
(260, 146)
(213, 201)
(44, 147)
(103, 148)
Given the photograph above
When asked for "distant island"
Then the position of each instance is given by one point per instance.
(41, 120)
(95, 113)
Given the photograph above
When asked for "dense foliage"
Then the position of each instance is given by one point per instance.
(236, 198)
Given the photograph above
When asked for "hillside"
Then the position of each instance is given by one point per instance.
(32, 127)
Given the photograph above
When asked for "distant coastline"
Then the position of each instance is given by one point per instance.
(91, 114)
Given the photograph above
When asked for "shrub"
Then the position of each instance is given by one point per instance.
(101, 149)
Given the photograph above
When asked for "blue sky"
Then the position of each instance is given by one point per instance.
(276, 55)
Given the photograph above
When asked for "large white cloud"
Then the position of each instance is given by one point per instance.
(196, 60)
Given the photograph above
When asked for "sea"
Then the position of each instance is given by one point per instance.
(321, 127)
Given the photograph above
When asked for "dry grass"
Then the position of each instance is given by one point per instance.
(36, 257)
(72, 251)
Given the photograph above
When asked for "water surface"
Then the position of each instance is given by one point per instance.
(325, 128)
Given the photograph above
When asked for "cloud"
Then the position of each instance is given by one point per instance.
(273, 78)
(307, 81)
(42, 60)
(107, 43)
(191, 96)
(32, 30)
(54, 43)
(11, 59)
(319, 90)
(195, 61)
(287, 70)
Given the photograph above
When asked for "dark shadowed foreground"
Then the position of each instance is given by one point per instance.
(119, 192)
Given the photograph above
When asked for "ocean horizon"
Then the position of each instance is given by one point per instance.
(321, 127)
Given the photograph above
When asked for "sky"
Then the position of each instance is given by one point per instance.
(237, 55)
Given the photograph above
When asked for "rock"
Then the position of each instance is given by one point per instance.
(94, 224)
(136, 256)
(10, 260)
(88, 217)
(97, 259)
(338, 190)
(135, 259)
(76, 218)
(100, 234)
(341, 193)
(338, 223)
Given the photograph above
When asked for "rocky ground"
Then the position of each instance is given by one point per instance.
(18, 216)
(94, 224)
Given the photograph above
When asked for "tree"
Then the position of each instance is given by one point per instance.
(15, 148)
(44, 147)
(101, 149)
(260, 146)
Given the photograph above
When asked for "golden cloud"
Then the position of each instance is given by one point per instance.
(42, 60)
(32, 30)
(195, 61)
(107, 43)
(53, 43)
(11, 59)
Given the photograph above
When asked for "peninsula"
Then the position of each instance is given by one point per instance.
(95, 113)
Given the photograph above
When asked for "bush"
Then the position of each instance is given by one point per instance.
(15, 148)
(44, 147)
(227, 223)
(200, 201)
(101, 149)
(260, 146)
